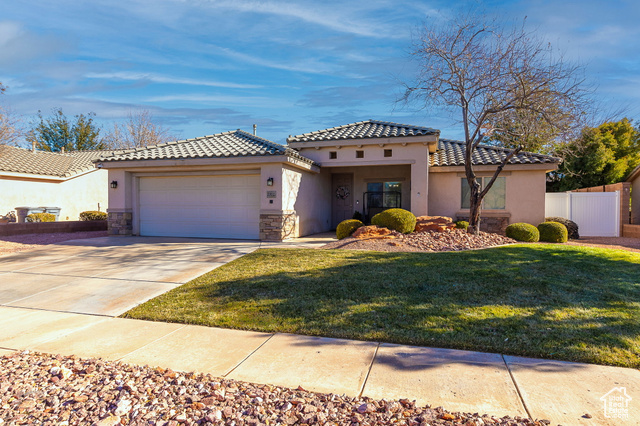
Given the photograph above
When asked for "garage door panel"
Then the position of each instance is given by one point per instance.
(210, 206)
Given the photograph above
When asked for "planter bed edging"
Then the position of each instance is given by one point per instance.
(50, 227)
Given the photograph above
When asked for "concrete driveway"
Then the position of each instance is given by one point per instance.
(109, 275)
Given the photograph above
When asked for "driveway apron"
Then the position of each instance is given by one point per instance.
(109, 275)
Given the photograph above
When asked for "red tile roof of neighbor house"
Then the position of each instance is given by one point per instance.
(44, 163)
(365, 130)
(236, 143)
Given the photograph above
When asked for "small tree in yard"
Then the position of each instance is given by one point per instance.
(507, 85)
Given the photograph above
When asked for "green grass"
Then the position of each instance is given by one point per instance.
(544, 301)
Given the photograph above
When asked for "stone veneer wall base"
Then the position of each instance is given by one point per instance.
(278, 226)
(494, 224)
(120, 223)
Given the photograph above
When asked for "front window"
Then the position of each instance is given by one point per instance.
(495, 198)
(384, 195)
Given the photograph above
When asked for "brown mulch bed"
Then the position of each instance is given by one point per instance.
(450, 240)
(17, 243)
(52, 389)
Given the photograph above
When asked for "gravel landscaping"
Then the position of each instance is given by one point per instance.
(56, 390)
(18, 243)
(448, 240)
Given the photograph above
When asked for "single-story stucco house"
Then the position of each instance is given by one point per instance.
(71, 182)
(238, 185)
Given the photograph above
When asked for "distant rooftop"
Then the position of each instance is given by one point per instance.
(20, 160)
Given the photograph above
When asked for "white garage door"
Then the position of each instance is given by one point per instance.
(204, 206)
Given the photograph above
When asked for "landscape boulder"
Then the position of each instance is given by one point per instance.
(372, 231)
(434, 223)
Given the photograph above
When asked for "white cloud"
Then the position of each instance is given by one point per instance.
(19, 46)
(342, 17)
(157, 78)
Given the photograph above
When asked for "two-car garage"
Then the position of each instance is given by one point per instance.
(217, 206)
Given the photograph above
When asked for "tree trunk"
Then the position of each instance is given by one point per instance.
(474, 208)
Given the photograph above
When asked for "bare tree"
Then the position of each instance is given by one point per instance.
(508, 86)
(10, 131)
(138, 131)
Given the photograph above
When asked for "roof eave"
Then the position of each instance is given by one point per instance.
(634, 174)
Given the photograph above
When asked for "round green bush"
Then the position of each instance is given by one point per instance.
(347, 227)
(553, 232)
(523, 232)
(396, 219)
(93, 215)
(41, 217)
(462, 224)
(572, 227)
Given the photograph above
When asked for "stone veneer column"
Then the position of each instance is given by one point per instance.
(278, 225)
(119, 222)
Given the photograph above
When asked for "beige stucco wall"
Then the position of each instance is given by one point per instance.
(365, 174)
(524, 202)
(75, 195)
(408, 164)
(635, 200)
(309, 197)
(295, 188)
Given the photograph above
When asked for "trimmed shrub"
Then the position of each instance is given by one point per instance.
(572, 227)
(553, 232)
(523, 232)
(396, 219)
(347, 227)
(462, 224)
(357, 215)
(93, 215)
(41, 217)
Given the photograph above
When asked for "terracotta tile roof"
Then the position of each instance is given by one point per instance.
(364, 130)
(222, 145)
(20, 160)
(451, 153)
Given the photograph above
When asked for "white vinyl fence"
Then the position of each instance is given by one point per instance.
(596, 213)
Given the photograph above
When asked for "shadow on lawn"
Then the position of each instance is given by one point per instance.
(525, 301)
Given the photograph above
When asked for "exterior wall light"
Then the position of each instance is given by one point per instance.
(270, 182)
(114, 184)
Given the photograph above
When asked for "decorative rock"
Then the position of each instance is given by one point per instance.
(109, 421)
(434, 223)
(372, 231)
(123, 407)
(145, 396)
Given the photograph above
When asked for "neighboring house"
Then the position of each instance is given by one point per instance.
(69, 181)
(634, 178)
(237, 185)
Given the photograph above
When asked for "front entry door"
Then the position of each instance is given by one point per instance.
(342, 196)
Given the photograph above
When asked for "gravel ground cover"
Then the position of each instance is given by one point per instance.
(17, 243)
(449, 240)
(55, 390)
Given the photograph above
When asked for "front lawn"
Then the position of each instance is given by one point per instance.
(544, 301)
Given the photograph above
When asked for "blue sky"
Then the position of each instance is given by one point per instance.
(207, 66)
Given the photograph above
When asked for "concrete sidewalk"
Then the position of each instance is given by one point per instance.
(561, 392)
